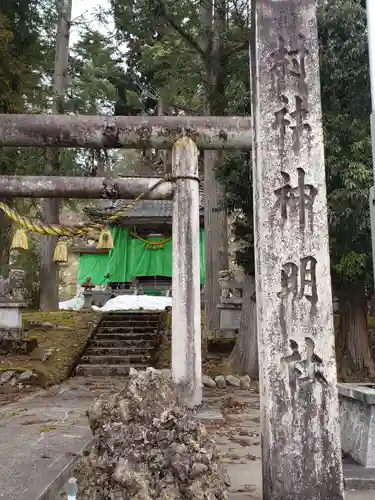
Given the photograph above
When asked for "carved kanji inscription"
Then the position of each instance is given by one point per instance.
(300, 197)
(305, 286)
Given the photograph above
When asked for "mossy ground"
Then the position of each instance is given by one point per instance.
(67, 346)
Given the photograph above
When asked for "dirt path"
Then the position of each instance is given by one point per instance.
(238, 439)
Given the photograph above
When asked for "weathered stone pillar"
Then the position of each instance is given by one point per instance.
(186, 309)
(88, 300)
(299, 404)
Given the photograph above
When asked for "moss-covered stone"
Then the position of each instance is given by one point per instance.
(31, 344)
(17, 369)
(215, 367)
(66, 345)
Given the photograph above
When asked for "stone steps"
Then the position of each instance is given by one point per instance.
(132, 317)
(149, 337)
(115, 351)
(131, 321)
(133, 314)
(106, 370)
(117, 360)
(127, 329)
(122, 340)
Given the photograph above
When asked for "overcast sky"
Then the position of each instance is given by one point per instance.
(86, 9)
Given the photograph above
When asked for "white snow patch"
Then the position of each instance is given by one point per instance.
(122, 303)
(135, 302)
(74, 304)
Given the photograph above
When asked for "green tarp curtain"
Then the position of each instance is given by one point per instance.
(130, 258)
(93, 266)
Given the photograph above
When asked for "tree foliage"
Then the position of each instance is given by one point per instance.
(346, 111)
(97, 72)
(236, 176)
(346, 120)
(27, 54)
(346, 117)
(164, 56)
(22, 58)
(166, 53)
(95, 68)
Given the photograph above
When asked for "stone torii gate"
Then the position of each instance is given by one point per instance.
(299, 403)
(184, 134)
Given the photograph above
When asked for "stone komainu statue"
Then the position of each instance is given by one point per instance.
(230, 287)
(12, 287)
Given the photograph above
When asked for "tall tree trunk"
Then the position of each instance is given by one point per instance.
(244, 357)
(166, 154)
(49, 272)
(215, 219)
(353, 352)
(216, 240)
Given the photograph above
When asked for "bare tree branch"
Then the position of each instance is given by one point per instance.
(77, 20)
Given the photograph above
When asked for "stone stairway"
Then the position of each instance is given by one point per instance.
(121, 340)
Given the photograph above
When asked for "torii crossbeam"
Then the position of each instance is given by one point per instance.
(137, 132)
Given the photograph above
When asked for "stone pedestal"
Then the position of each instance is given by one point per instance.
(11, 320)
(357, 422)
(230, 315)
(88, 296)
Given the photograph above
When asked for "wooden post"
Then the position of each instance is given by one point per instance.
(299, 402)
(186, 309)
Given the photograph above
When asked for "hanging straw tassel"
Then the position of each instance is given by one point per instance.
(61, 253)
(105, 240)
(20, 241)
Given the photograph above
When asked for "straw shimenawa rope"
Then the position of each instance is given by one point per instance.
(155, 243)
(43, 228)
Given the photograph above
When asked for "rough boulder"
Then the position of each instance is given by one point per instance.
(147, 446)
